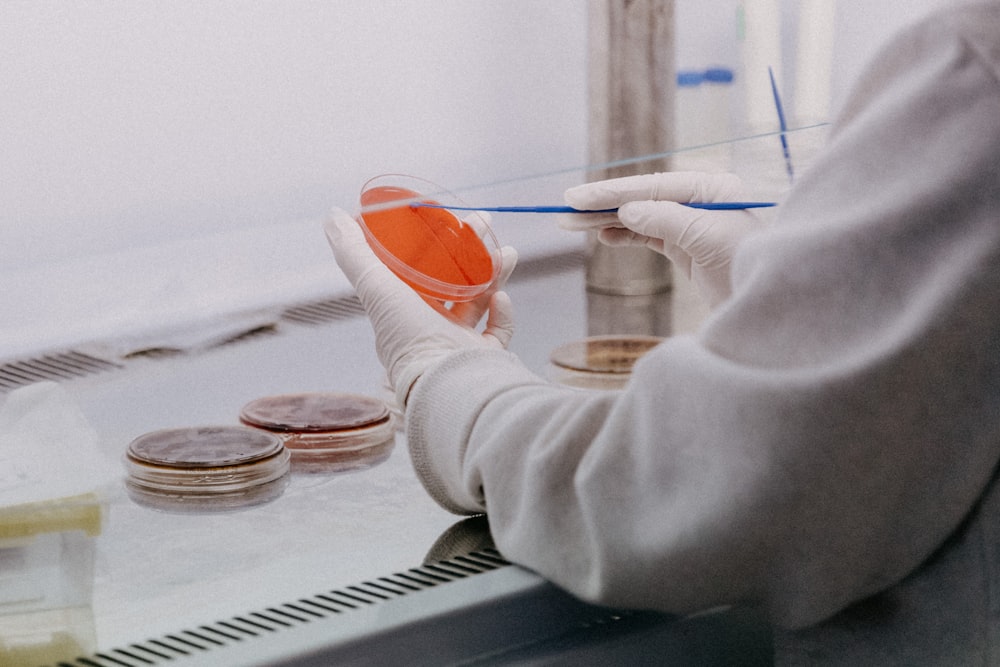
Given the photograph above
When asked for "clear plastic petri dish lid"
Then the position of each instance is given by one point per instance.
(439, 254)
(206, 468)
(599, 362)
(326, 431)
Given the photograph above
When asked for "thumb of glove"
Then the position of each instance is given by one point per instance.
(350, 248)
(500, 321)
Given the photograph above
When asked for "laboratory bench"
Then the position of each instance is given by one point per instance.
(358, 567)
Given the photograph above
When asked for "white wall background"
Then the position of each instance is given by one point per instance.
(128, 124)
(707, 35)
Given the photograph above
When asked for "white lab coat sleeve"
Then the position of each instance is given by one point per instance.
(833, 422)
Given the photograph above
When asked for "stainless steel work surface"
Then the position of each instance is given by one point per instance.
(158, 572)
(349, 568)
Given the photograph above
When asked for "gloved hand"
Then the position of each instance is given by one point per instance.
(700, 243)
(412, 333)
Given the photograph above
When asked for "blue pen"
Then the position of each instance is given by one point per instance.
(709, 206)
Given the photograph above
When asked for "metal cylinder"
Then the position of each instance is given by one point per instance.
(626, 271)
(631, 77)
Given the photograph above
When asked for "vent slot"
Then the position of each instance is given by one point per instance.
(74, 364)
(327, 310)
(332, 310)
(54, 367)
(256, 624)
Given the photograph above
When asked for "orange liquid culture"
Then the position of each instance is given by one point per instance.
(427, 243)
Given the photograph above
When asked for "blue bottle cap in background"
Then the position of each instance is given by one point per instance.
(718, 75)
(687, 78)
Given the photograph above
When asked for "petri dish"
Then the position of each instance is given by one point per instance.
(326, 431)
(206, 468)
(599, 362)
(437, 253)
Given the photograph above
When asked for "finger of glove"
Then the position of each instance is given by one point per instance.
(626, 237)
(380, 291)
(508, 260)
(677, 227)
(714, 243)
(469, 313)
(432, 341)
(709, 238)
(581, 222)
(500, 323)
(393, 308)
(664, 220)
(350, 247)
(621, 236)
(679, 186)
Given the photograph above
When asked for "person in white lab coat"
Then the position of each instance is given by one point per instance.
(826, 446)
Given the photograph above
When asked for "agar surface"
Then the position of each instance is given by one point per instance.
(430, 241)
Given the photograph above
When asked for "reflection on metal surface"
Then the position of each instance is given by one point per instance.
(639, 314)
(627, 271)
(216, 637)
(631, 112)
(599, 362)
(467, 536)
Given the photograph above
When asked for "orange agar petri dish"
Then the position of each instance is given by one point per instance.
(326, 431)
(431, 249)
(599, 362)
(206, 468)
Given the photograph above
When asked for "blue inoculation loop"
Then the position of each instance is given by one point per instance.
(708, 206)
(782, 125)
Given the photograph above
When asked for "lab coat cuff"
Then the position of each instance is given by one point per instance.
(442, 409)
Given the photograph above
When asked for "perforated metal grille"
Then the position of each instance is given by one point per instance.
(57, 366)
(326, 310)
(169, 649)
(62, 366)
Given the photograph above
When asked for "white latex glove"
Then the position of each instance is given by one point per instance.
(701, 243)
(412, 333)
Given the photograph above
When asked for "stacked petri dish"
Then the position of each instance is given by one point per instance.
(206, 468)
(326, 431)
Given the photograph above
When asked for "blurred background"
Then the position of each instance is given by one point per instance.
(164, 152)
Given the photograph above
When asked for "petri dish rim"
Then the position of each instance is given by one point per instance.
(160, 448)
(363, 439)
(430, 286)
(169, 482)
(283, 413)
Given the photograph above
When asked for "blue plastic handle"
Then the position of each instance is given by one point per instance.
(709, 206)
